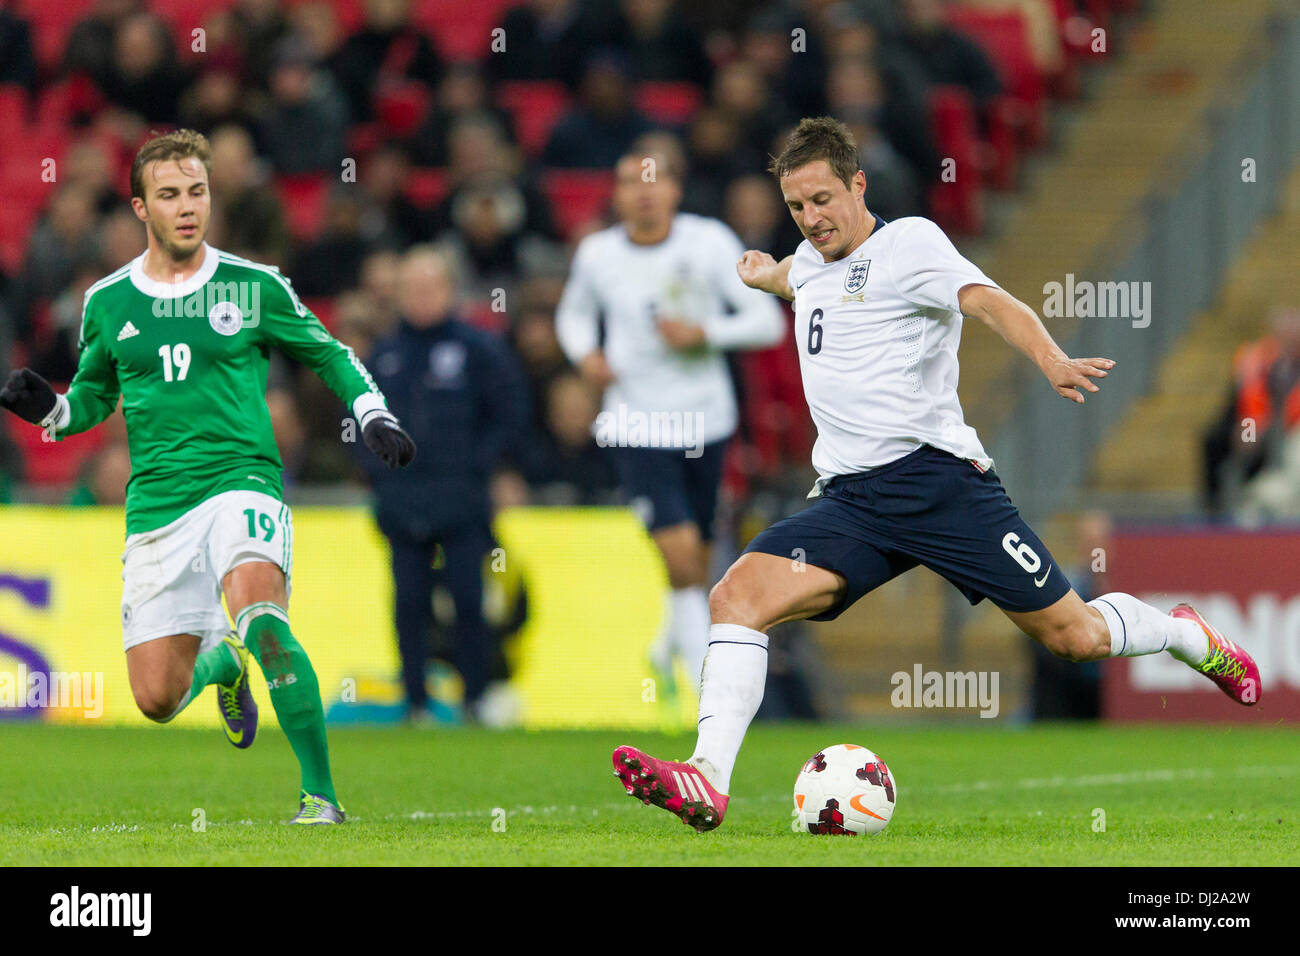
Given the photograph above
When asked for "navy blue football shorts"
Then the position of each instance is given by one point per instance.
(929, 508)
(667, 488)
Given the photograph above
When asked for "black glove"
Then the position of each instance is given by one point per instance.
(386, 439)
(28, 396)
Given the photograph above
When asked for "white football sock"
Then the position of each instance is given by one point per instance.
(690, 629)
(1137, 629)
(735, 672)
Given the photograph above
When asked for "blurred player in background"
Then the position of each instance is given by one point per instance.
(665, 285)
(903, 480)
(182, 333)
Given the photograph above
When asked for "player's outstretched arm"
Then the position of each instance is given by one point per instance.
(1020, 326)
(759, 270)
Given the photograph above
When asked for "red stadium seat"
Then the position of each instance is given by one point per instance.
(481, 315)
(462, 29)
(324, 308)
(401, 107)
(13, 111)
(1003, 36)
(61, 103)
(184, 16)
(577, 196)
(957, 205)
(426, 186)
(775, 411)
(364, 138)
(51, 22)
(52, 462)
(535, 107)
(672, 104)
(303, 197)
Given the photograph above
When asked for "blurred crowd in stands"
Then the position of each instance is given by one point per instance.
(343, 133)
(1252, 451)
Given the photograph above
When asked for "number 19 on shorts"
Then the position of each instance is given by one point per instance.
(262, 520)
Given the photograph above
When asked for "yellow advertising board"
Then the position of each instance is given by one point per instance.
(595, 587)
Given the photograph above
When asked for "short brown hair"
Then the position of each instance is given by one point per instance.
(664, 148)
(823, 137)
(181, 144)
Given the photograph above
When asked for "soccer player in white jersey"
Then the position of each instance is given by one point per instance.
(903, 480)
(665, 285)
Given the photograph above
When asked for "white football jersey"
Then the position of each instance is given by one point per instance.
(690, 275)
(877, 333)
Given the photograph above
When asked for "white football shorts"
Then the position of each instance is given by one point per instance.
(172, 576)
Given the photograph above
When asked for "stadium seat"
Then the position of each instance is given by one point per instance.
(480, 314)
(462, 29)
(13, 111)
(957, 205)
(535, 107)
(426, 186)
(775, 411)
(672, 104)
(51, 23)
(61, 103)
(184, 16)
(576, 196)
(324, 308)
(52, 462)
(364, 138)
(401, 107)
(303, 197)
(1003, 37)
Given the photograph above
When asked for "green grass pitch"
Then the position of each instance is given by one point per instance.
(1027, 796)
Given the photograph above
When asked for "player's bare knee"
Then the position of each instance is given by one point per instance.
(686, 574)
(1076, 641)
(730, 602)
(687, 567)
(157, 703)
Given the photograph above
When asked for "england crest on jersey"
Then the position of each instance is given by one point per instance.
(856, 277)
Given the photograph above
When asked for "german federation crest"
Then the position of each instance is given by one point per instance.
(856, 277)
(225, 318)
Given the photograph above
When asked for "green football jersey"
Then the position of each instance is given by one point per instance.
(190, 361)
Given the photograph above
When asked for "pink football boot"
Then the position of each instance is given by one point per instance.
(680, 788)
(1227, 665)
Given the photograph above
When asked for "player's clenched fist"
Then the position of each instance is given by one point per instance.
(28, 396)
(758, 270)
(386, 439)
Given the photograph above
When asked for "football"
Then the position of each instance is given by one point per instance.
(843, 791)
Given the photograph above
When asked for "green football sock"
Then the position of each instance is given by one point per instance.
(295, 693)
(216, 665)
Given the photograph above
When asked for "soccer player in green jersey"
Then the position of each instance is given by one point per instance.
(183, 334)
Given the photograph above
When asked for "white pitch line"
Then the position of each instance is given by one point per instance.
(1024, 783)
(974, 786)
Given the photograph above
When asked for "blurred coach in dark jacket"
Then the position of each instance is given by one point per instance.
(458, 392)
